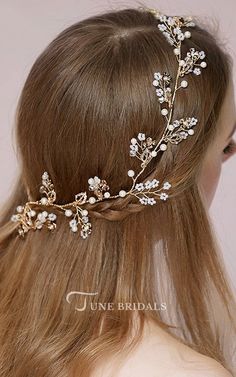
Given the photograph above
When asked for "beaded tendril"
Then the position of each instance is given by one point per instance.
(142, 147)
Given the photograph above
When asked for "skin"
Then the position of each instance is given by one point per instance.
(159, 354)
(215, 157)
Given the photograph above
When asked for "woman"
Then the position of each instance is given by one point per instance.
(146, 292)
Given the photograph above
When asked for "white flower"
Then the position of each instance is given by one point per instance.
(163, 196)
(166, 186)
(176, 123)
(197, 71)
(161, 99)
(171, 21)
(85, 219)
(41, 217)
(177, 30)
(159, 92)
(148, 184)
(15, 218)
(155, 83)
(133, 147)
(139, 186)
(180, 37)
(157, 75)
(183, 134)
(143, 200)
(202, 54)
(141, 136)
(155, 182)
(162, 27)
(162, 18)
(151, 201)
(73, 223)
(52, 216)
(193, 121)
(93, 183)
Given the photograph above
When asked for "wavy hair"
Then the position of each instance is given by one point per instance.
(88, 93)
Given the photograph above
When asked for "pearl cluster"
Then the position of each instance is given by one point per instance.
(142, 147)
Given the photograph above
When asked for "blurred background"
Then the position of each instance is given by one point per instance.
(27, 26)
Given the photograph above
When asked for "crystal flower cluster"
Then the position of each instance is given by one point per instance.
(141, 147)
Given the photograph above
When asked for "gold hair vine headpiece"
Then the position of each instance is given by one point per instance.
(142, 147)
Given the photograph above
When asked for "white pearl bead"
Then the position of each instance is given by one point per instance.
(74, 228)
(90, 181)
(32, 213)
(154, 153)
(191, 132)
(184, 83)
(187, 34)
(176, 51)
(107, 194)
(92, 200)
(130, 173)
(44, 201)
(203, 64)
(133, 141)
(44, 213)
(170, 127)
(164, 111)
(163, 147)
(155, 83)
(68, 212)
(84, 212)
(181, 63)
(45, 175)
(122, 193)
(19, 209)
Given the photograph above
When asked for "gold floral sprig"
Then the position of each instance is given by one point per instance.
(142, 147)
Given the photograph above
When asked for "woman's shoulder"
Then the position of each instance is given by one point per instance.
(159, 354)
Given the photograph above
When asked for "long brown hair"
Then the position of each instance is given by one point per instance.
(88, 93)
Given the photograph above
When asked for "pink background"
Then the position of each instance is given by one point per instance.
(27, 26)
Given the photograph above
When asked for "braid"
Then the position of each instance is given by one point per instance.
(115, 210)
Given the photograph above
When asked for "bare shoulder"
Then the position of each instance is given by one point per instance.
(203, 366)
(159, 354)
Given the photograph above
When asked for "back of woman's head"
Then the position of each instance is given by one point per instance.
(86, 96)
